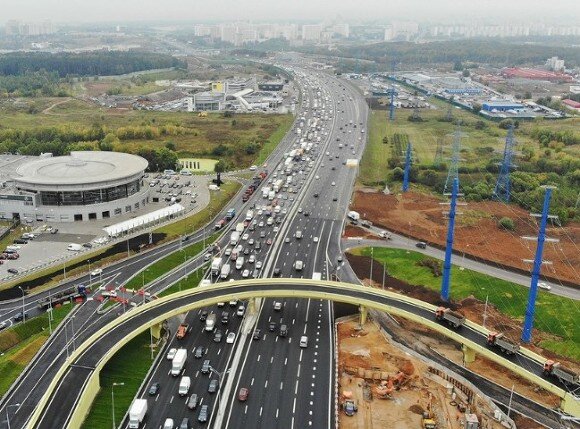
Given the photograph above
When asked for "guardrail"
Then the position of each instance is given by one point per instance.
(272, 288)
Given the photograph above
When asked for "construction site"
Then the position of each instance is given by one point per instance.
(382, 384)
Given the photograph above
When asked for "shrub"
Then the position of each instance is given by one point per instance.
(507, 223)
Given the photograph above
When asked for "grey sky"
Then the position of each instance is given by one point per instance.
(282, 10)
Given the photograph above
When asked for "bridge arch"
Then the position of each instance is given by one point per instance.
(91, 356)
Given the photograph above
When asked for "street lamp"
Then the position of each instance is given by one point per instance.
(23, 314)
(113, 401)
(90, 275)
(7, 417)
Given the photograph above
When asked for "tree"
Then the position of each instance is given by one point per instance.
(385, 140)
(507, 223)
(170, 146)
(220, 167)
(465, 73)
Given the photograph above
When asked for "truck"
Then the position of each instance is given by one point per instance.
(178, 362)
(230, 214)
(182, 331)
(354, 216)
(225, 272)
(137, 412)
(240, 227)
(278, 184)
(500, 341)
(265, 192)
(452, 318)
(316, 276)
(234, 238)
(216, 265)
(555, 369)
(210, 322)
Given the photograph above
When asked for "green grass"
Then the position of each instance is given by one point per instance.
(374, 166)
(274, 139)
(168, 263)
(129, 365)
(192, 281)
(20, 343)
(554, 314)
(189, 224)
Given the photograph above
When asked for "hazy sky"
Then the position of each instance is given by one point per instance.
(199, 10)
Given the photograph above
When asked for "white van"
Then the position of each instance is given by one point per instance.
(185, 383)
(74, 247)
(168, 424)
(239, 262)
(303, 341)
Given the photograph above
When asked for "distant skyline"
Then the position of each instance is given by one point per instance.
(119, 11)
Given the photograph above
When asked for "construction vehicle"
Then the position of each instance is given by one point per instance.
(386, 388)
(500, 341)
(428, 422)
(182, 331)
(452, 318)
(565, 375)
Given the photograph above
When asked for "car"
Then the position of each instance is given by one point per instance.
(241, 310)
(251, 241)
(185, 424)
(20, 317)
(269, 241)
(287, 240)
(339, 259)
(252, 259)
(246, 273)
(221, 304)
(303, 341)
(213, 386)
(228, 251)
(261, 224)
(262, 234)
(96, 271)
(334, 199)
(258, 245)
(350, 408)
(233, 302)
(258, 265)
(3, 325)
(316, 195)
(199, 352)
(154, 389)
(207, 256)
(544, 285)
(231, 338)
(88, 245)
(12, 270)
(247, 251)
(333, 169)
(171, 354)
(169, 424)
(333, 183)
(243, 394)
(306, 214)
(257, 334)
(272, 326)
(54, 230)
(192, 402)
(203, 414)
(203, 315)
(277, 272)
(277, 306)
(253, 168)
(421, 245)
(315, 239)
(205, 367)
(245, 237)
(217, 337)
(283, 331)
(299, 209)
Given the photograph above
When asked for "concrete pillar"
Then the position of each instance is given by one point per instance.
(253, 305)
(570, 405)
(363, 315)
(156, 331)
(468, 354)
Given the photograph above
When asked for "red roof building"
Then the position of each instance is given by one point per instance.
(535, 74)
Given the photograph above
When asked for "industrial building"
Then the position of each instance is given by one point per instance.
(501, 106)
(82, 186)
(271, 86)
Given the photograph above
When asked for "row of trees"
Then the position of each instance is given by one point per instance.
(32, 84)
(96, 63)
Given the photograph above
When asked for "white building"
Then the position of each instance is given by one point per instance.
(312, 32)
(555, 64)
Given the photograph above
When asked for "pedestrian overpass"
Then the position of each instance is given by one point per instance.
(77, 382)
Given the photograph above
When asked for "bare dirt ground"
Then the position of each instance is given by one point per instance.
(476, 232)
(366, 357)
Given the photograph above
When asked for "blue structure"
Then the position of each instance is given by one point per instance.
(503, 185)
(453, 172)
(501, 106)
(531, 306)
(449, 246)
(407, 168)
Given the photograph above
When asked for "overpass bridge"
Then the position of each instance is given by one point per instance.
(74, 387)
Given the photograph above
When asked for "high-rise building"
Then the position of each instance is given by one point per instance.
(312, 32)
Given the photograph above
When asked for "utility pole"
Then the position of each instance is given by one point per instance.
(407, 168)
(538, 261)
(113, 401)
(503, 186)
(445, 282)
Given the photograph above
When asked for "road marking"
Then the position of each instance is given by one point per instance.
(266, 384)
(171, 400)
(259, 358)
(260, 411)
(252, 382)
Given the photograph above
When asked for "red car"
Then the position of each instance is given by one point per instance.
(269, 241)
(243, 394)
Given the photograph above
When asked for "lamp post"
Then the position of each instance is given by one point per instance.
(113, 401)
(7, 416)
(90, 275)
(23, 314)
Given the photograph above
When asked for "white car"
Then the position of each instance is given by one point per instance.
(246, 273)
(231, 338)
(275, 229)
(299, 209)
(277, 306)
(315, 239)
(317, 177)
(261, 224)
(333, 183)
(258, 265)
(543, 285)
(245, 237)
(252, 259)
(241, 311)
(171, 354)
(96, 272)
(253, 168)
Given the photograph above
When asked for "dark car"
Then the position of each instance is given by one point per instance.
(272, 326)
(185, 424)
(243, 394)
(203, 414)
(247, 251)
(87, 245)
(12, 270)
(316, 195)
(421, 245)
(306, 213)
(334, 199)
(154, 389)
(213, 386)
(257, 334)
(20, 241)
(20, 316)
(203, 316)
(192, 402)
(199, 352)
(283, 331)
(277, 272)
(217, 338)
(350, 408)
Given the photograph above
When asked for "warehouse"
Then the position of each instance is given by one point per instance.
(501, 106)
(82, 186)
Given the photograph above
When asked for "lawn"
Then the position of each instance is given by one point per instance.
(129, 365)
(20, 343)
(554, 314)
(192, 281)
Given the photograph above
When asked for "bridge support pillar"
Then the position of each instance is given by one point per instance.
(570, 405)
(468, 354)
(253, 305)
(364, 312)
(156, 330)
